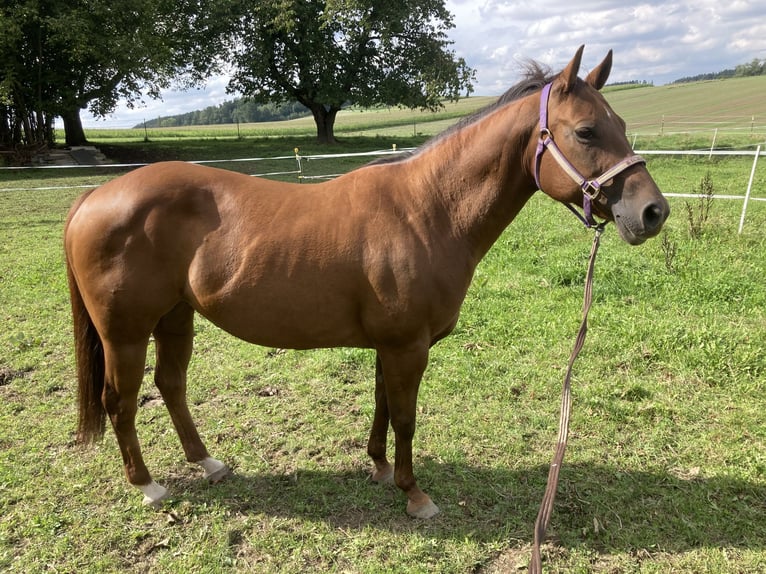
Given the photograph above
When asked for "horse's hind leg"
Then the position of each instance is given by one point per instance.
(376, 446)
(124, 370)
(173, 337)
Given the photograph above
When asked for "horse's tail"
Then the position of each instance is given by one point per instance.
(89, 357)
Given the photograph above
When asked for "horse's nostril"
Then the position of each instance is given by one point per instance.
(654, 215)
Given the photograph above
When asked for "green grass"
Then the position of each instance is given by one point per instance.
(733, 105)
(666, 465)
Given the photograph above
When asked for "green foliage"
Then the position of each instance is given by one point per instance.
(325, 54)
(60, 56)
(756, 67)
(669, 250)
(630, 85)
(21, 52)
(232, 112)
(697, 213)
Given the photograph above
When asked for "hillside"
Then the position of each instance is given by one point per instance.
(735, 103)
(731, 104)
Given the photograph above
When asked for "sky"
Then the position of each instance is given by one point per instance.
(657, 41)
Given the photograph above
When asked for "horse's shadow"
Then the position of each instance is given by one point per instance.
(597, 506)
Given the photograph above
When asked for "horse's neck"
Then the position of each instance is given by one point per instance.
(481, 174)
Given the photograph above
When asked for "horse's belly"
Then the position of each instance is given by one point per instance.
(300, 295)
(289, 317)
(288, 334)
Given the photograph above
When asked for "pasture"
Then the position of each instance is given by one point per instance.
(665, 470)
(677, 115)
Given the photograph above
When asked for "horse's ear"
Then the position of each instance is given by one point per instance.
(598, 76)
(569, 75)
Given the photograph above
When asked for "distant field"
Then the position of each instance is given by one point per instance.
(735, 107)
(350, 122)
(731, 105)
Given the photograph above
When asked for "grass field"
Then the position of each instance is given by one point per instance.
(733, 105)
(655, 116)
(665, 472)
(350, 122)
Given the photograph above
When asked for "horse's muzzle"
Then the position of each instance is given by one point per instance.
(636, 226)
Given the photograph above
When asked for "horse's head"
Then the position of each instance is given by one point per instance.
(583, 156)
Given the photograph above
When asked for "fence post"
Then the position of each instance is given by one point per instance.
(712, 146)
(749, 188)
(300, 167)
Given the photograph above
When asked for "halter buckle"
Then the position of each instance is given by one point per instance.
(591, 185)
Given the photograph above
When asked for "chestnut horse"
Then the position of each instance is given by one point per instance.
(379, 258)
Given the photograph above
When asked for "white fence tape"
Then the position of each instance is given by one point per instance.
(299, 172)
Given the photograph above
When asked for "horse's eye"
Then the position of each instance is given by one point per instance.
(585, 134)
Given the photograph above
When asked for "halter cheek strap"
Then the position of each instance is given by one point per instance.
(590, 187)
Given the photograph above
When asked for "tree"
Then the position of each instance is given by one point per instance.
(23, 119)
(65, 55)
(329, 53)
(756, 67)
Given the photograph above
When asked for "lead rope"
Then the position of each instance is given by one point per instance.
(546, 506)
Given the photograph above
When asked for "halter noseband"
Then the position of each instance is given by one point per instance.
(590, 187)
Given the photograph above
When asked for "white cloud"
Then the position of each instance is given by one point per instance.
(751, 41)
(653, 40)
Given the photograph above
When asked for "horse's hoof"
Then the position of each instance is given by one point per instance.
(218, 475)
(424, 510)
(215, 470)
(154, 494)
(385, 476)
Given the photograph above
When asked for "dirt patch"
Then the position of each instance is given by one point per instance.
(8, 375)
(150, 400)
(509, 560)
(268, 391)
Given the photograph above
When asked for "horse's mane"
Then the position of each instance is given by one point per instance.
(535, 76)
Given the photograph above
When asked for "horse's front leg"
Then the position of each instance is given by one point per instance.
(402, 370)
(376, 446)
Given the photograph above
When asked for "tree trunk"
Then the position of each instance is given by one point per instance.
(325, 122)
(75, 135)
(6, 119)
